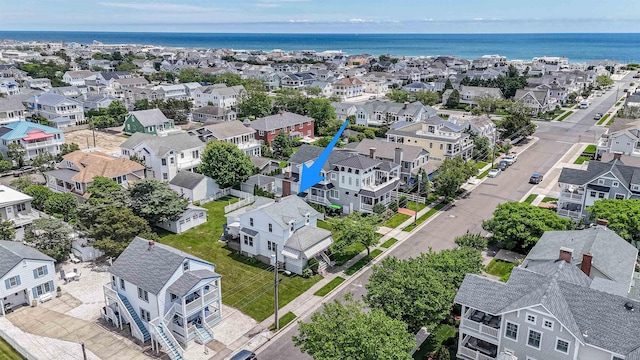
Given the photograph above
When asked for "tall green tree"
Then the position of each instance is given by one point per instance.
(448, 85)
(51, 236)
(481, 147)
(313, 90)
(517, 122)
(282, 146)
(16, 152)
(451, 175)
(475, 241)
(257, 104)
(355, 228)
(117, 111)
(427, 97)
(155, 202)
(399, 96)
(22, 182)
(66, 149)
(7, 231)
(520, 225)
(623, 216)
(62, 205)
(321, 111)
(345, 331)
(604, 80)
(420, 290)
(226, 164)
(425, 183)
(5, 166)
(44, 161)
(114, 229)
(291, 100)
(454, 99)
(40, 195)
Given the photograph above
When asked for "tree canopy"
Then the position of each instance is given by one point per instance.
(399, 96)
(114, 228)
(345, 331)
(256, 104)
(454, 99)
(321, 111)
(51, 236)
(40, 195)
(475, 241)
(517, 122)
(623, 216)
(155, 201)
(355, 228)
(508, 84)
(291, 100)
(226, 164)
(61, 205)
(282, 146)
(7, 232)
(604, 80)
(520, 225)
(452, 174)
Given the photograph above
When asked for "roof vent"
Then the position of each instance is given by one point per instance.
(151, 243)
(629, 306)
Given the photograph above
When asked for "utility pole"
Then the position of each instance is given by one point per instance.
(275, 287)
(84, 353)
(415, 216)
(493, 151)
(93, 130)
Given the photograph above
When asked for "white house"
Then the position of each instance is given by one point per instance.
(194, 186)
(61, 110)
(78, 77)
(165, 295)
(219, 95)
(233, 132)
(34, 138)
(165, 156)
(286, 226)
(191, 217)
(11, 109)
(16, 208)
(26, 274)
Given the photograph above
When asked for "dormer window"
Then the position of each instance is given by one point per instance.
(600, 181)
(292, 223)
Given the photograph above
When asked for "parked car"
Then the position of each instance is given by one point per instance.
(511, 158)
(598, 116)
(244, 355)
(503, 165)
(24, 170)
(535, 178)
(494, 172)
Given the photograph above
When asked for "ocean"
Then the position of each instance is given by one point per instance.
(577, 47)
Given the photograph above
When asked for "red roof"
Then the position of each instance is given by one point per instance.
(37, 135)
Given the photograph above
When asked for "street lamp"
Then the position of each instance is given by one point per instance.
(415, 217)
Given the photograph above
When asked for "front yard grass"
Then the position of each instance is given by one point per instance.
(324, 225)
(581, 159)
(245, 281)
(479, 165)
(440, 335)
(396, 220)
(424, 217)
(362, 262)
(591, 149)
(549, 199)
(284, 320)
(603, 119)
(411, 205)
(530, 198)
(7, 352)
(387, 244)
(329, 286)
(346, 254)
(565, 115)
(500, 268)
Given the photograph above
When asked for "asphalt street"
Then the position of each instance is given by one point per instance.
(555, 138)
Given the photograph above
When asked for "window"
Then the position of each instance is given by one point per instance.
(592, 194)
(547, 324)
(165, 176)
(270, 228)
(430, 145)
(615, 184)
(164, 162)
(619, 196)
(44, 288)
(334, 176)
(531, 318)
(40, 272)
(349, 180)
(534, 339)
(600, 181)
(261, 132)
(600, 195)
(511, 331)
(357, 182)
(291, 228)
(122, 284)
(171, 160)
(185, 266)
(143, 294)
(113, 281)
(273, 132)
(145, 315)
(248, 240)
(11, 282)
(562, 346)
(441, 146)
(334, 194)
(271, 246)
(181, 155)
(250, 221)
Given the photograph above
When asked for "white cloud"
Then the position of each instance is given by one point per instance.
(163, 7)
(298, 21)
(429, 19)
(276, 3)
(358, 20)
(478, 19)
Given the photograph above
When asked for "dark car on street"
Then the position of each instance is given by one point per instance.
(244, 355)
(503, 165)
(535, 178)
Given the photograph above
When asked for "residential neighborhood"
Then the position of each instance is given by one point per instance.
(195, 203)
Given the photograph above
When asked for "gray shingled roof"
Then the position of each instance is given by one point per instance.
(379, 192)
(306, 237)
(279, 121)
(163, 144)
(13, 252)
(359, 162)
(612, 255)
(287, 209)
(187, 179)
(150, 117)
(10, 103)
(149, 267)
(595, 169)
(188, 280)
(227, 129)
(385, 149)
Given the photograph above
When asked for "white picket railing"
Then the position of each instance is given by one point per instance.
(410, 197)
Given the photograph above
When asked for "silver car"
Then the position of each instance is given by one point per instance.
(494, 172)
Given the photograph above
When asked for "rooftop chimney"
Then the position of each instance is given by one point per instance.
(586, 263)
(398, 155)
(280, 112)
(629, 306)
(616, 156)
(406, 104)
(565, 254)
(151, 243)
(372, 153)
(602, 222)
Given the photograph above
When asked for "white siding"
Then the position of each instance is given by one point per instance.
(27, 280)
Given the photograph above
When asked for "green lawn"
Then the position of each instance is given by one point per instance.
(284, 320)
(581, 159)
(549, 199)
(387, 244)
(618, 103)
(424, 217)
(246, 283)
(500, 268)
(362, 262)
(348, 253)
(591, 149)
(412, 205)
(8, 353)
(396, 220)
(324, 225)
(530, 198)
(441, 334)
(603, 119)
(283, 164)
(566, 115)
(479, 165)
(329, 286)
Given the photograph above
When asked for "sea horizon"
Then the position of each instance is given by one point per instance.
(577, 47)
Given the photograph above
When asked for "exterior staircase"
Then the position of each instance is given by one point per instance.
(204, 336)
(135, 317)
(167, 344)
(326, 259)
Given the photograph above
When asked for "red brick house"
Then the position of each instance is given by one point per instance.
(292, 124)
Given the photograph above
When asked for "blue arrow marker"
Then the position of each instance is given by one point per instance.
(310, 175)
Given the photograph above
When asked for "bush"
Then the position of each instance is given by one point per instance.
(313, 265)
(379, 208)
(307, 273)
(402, 202)
(393, 206)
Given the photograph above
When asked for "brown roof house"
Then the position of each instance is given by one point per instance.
(77, 169)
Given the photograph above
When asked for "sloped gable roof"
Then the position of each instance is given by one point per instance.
(13, 252)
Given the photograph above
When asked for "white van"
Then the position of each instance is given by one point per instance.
(584, 104)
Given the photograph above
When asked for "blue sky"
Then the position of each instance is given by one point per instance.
(326, 16)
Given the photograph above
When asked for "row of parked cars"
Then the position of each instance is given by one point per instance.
(503, 165)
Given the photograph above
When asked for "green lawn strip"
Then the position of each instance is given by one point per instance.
(500, 268)
(347, 253)
(591, 149)
(387, 244)
(581, 159)
(362, 262)
(480, 164)
(284, 320)
(329, 286)
(603, 119)
(245, 282)
(396, 220)
(530, 198)
(411, 205)
(548, 199)
(618, 103)
(9, 353)
(424, 217)
(440, 335)
(324, 225)
(283, 164)
(566, 115)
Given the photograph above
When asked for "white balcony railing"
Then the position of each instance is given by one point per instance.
(472, 354)
(569, 213)
(565, 195)
(211, 295)
(25, 218)
(39, 144)
(481, 328)
(318, 199)
(249, 144)
(188, 164)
